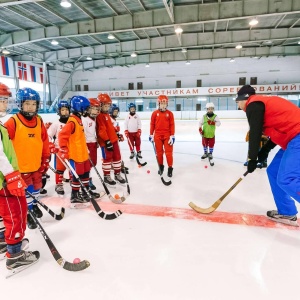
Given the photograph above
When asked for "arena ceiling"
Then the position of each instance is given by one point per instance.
(93, 34)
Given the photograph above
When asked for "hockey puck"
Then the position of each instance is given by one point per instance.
(148, 171)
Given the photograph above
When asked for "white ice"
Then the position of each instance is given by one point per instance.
(148, 257)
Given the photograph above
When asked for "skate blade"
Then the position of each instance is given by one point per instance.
(80, 205)
(18, 270)
(60, 195)
(285, 221)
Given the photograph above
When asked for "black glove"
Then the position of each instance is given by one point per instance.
(109, 146)
(264, 151)
(252, 164)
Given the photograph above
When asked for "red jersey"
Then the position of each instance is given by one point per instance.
(105, 129)
(162, 123)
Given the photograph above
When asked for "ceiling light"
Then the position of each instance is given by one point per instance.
(239, 46)
(299, 43)
(178, 30)
(183, 50)
(5, 51)
(232, 60)
(253, 22)
(133, 54)
(147, 66)
(188, 62)
(65, 3)
(54, 42)
(110, 37)
(88, 58)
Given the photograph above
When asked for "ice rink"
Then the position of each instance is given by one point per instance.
(159, 248)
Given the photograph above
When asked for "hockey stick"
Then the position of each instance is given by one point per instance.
(105, 187)
(51, 213)
(136, 157)
(160, 173)
(56, 172)
(99, 211)
(128, 187)
(218, 202)
(63, 263)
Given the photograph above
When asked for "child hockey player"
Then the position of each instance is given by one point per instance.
(162, 130)
(207, 129)
(63, 110)
(108, 140)
(13, 206)
(114, 113)
(89, 125)
(133, 130)
(30, 139)
(72, 146)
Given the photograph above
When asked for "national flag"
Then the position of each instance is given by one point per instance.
(6, 66)
(22, 71)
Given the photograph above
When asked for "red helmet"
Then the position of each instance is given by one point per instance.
(162, 99)
(4, 90)
(94, 102)
(104, 99)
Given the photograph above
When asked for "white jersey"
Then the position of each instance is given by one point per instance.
(54, 130)
(132, 123)
(6, 167)
(89, 126)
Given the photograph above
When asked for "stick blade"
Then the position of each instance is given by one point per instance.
(204, 210)
(167, 183)
(74, 267)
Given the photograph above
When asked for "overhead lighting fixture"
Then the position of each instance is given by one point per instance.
(239, 46)
(232, 60)
(178, 30)
(253, 22)
(147, 66)
(184, 50)
(5, 51)
(188, 62)
(110, 37)
(88, 58)
(65, 3)
(54, 42)
(133, 54)
(299, 43)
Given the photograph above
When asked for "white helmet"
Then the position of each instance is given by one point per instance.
(210, 105)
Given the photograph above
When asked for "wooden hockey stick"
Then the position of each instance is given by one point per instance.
(218, 202)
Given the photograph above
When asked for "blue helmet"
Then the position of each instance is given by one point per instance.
(27, 94)
(79, 104)
(113, 108)
(60, 104)
(130, 105)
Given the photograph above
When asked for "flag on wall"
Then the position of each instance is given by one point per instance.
(35, 74)
(22, 71)
(6, 66)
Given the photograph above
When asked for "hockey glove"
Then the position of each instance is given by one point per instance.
(151, 138)
(15, 184)
(121, 137)
(209, 122)
(63, 153)
(52, 148)
(139, 132)
(47, 125)
(264, 151)
(201, 131)
(171, 140)
(44, 165)
(126, 133)
(109, 146)
(252, 164)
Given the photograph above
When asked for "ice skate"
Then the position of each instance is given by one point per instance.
(119, 179)
(131, 155)
(59, 189)
(43, 192)
(161, 169)
(170, 172)
(18, 262)
(78, 201)
(204, 155)
(94, 195)
(288, 220)
(211, 159)
(108, 180)
(36, 210)
(30, 222)
(139, 154)
(91, 185)
(3, 248)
